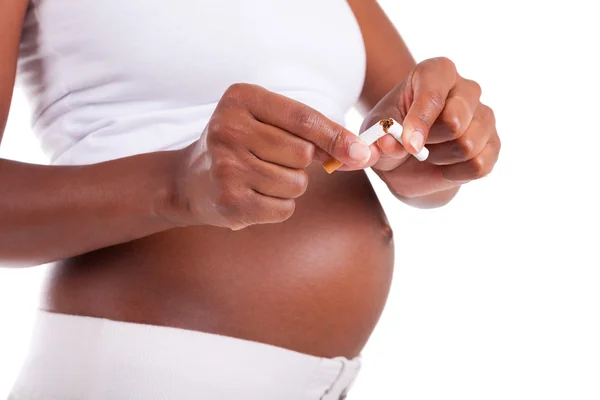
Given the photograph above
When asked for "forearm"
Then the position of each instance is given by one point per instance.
(48, 213)
(388, 58)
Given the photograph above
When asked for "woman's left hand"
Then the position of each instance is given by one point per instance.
(437, 107)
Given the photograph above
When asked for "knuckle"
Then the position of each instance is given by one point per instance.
(227, 129)
(480, 167)
(223, 169)
(476, 87)
(446, 63)
(464, 148)
(452, 122)
(305, 120)
(285, 210)
(239, 93)
(306, 154)
(419, 69)
(236, 89)
(337, 141)
(299, 183)
(455, 127)
(227, 202)
(217, 124)
(492, 115)
(488, 114)
(213, 139)
(496, 144)
(233, 94)
(219, 128)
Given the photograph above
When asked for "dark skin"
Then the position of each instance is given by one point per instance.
(243, 233)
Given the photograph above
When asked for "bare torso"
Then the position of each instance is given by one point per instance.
(316, 283)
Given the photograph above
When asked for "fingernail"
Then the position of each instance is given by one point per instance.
(359, 152)
(417, 140)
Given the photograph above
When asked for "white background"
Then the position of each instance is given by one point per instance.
(496, 296)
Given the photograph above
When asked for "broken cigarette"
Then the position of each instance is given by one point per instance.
(371, 135)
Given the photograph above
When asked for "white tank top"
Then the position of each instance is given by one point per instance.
(110, 78)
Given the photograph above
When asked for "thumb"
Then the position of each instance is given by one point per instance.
(430, 84)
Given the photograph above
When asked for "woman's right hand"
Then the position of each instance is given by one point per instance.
(249, 164)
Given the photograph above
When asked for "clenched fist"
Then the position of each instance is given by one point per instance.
(248, 165)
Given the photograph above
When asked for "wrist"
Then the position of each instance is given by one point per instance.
(170, 203)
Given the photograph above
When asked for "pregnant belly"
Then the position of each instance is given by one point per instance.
(316, 283)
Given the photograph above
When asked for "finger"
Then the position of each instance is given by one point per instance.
(430, 84)
(276, 181)
(373, 160)
(417, 179)
(300, 120)
(279, 147)
(466, 146)
(268, 210)
(393, 154)
(390, 147)
(477, 167)
(461, 106)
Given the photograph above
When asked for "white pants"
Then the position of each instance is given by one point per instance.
(83, 358)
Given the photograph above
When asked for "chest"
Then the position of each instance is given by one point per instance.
(192, 51)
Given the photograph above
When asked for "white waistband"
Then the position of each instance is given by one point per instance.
(74, 357)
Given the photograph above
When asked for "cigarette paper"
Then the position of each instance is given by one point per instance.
(371, 135)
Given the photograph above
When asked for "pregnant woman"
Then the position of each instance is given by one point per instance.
(199, 248)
